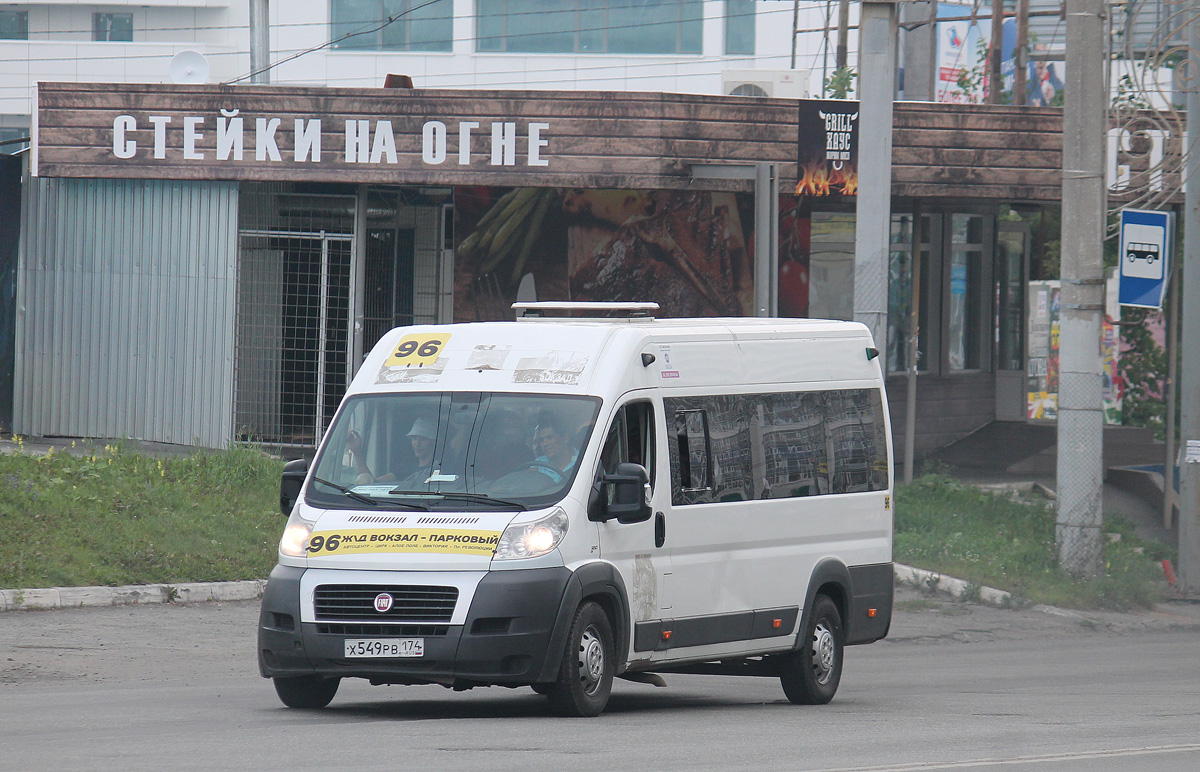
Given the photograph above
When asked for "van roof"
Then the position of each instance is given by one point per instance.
(596, 355)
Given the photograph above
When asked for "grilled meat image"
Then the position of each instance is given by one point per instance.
(688, 255)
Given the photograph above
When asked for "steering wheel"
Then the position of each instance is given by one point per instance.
(531, 478)
(555, 473)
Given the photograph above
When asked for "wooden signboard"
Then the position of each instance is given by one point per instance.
(578, 139)
(412, 137)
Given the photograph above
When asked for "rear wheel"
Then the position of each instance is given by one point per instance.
(306, 691)
(585, 678)
(810, 675)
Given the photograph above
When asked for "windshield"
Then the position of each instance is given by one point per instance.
(452, 451)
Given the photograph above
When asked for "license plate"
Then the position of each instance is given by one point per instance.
(385, 647)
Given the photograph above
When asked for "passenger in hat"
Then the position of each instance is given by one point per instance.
(422, 437)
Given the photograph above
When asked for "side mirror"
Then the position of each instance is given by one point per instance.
(629, 500)
(290, 484)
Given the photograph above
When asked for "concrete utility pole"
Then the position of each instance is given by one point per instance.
(1189, 439)
(1080, 401)
(873, 226)
(260, 41)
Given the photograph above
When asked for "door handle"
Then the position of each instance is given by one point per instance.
(660, 529)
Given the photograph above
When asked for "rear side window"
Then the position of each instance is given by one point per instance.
(782, 445)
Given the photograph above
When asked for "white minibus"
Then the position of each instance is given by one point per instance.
(555, 502)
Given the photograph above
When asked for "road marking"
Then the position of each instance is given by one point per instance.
(1057, 757)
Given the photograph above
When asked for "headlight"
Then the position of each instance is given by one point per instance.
(294, 543)
(530, 540)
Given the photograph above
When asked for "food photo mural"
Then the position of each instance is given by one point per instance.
(689, 251)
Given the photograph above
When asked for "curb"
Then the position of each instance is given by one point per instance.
(199, 592)
(955, 587)
(130, 594)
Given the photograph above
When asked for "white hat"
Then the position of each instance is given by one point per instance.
(422, 428)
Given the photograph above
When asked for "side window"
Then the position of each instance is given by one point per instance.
(630, 439)
(793, 445)
(777, 445)
(858, 441)
(691, 460)
(729, 442)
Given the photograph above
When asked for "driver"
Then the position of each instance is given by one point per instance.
(557, 453)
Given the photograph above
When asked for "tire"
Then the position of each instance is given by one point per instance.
(586, 675)
(306, 691)
(811, 674)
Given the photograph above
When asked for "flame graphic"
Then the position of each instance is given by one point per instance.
(814, 180)
(817, 179)
(846, 179)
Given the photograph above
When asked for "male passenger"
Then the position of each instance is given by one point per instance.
(422, 436)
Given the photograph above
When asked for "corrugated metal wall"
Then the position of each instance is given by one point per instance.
(126, 306)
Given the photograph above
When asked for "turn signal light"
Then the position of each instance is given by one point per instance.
(776, 623)
(870, 612)
(666, 635)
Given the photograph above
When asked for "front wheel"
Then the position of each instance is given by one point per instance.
(585, 678)
(810, 675)
(306, 691)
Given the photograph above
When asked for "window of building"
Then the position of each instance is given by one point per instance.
(739, 27)
(591, 26)
(392, 25)
(14, 25)
(831, 266)
(966, 281)
(900, 294)
(1010, 296)
(112, 27)
(11, 139)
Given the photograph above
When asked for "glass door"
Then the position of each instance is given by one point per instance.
(1012, 265)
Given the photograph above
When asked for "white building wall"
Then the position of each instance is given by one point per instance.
(60, 48)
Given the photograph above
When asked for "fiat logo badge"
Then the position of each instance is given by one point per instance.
(383, 602)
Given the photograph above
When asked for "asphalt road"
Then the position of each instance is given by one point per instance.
(956, 686)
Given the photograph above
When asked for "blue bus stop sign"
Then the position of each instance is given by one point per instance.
(1145, 257)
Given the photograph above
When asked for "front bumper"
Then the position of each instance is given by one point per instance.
(509, 636)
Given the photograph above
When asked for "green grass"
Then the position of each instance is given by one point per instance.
(1008, 543)
(116, 517)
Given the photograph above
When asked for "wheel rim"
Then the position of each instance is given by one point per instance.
(824, 652)
(591, 660)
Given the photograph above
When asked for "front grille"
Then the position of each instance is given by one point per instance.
(353, 602)
(389, 631)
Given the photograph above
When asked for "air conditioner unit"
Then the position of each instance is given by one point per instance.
(782, 84)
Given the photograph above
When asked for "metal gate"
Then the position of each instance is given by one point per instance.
(294, 333)
(310, 295)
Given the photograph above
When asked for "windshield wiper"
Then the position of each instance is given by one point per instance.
(482, 499)
(367, 499)
(478, 498)
(352, 494)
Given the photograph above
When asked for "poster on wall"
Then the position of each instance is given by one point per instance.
(827, 149)
(689, 251)
(1042, 374)
(962, 54)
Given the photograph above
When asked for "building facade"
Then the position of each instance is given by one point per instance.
(688, 46)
